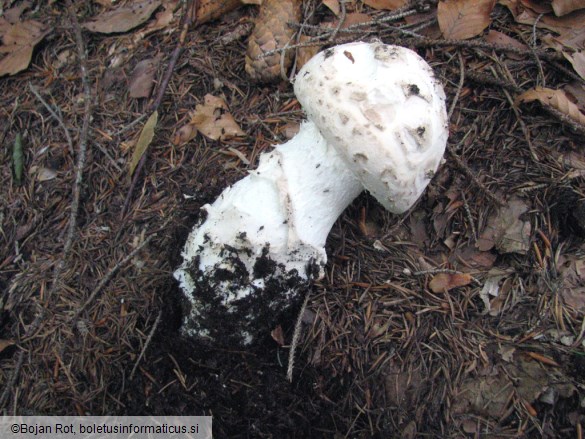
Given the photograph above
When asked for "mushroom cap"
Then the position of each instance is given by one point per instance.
(383, 110)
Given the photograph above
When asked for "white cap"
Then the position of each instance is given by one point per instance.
(382, 109)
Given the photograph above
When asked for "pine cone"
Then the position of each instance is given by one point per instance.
(271, 31)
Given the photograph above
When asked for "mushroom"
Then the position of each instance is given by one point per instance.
(376, 121)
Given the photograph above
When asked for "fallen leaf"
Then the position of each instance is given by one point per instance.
(462, 19)
(554, 98)
(142, 79)
(482, 395)
(161, 20)
(208, 10)
(277, 335)
(251, 2)
(577, 60)
(491, 287)
(564, 7)
(388, 5)
(46, 174)
(12, 15)
(19, 41)
(576, 92)
(500, 39)
(447, 281)
(333, 6)
(17, 159)
(507, 353)
(213, 120)
(573, 283)
(144, 140)
(569, 27)
(505, 230)
(124, 18)
(184, 134)
(5, 343)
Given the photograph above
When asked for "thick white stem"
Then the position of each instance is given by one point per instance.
(274, 222)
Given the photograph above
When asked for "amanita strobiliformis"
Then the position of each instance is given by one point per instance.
(376, 121)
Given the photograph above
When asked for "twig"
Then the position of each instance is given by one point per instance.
(82, 137)
(146, 344)
(341, 21)
(473, 177)
(111, 274)
(469, 217)
(459, 87)
(55, 115)
(187, 20)
(295, 339)
(40, 315)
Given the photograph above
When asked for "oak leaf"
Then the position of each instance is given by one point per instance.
(554, 98)
(124, 18)
(447, 281)
(213, 119)
(19, 41)
(462, 19)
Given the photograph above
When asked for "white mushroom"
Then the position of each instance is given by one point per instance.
(376, 121)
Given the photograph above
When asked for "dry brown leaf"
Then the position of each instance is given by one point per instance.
(556, 99)
(500, 39)
(569, 27)
(462, 19)
(447, 281)
(577, 60)
(142, 79)
(209, 10)
(573, 286)
(576, 92)
(251, 2)
(12, 15)
(19, 41)
(124, 18)
(184, 134)
(5, 343)
(388, 5)
(277, 335)
(333, 6)
(538, 6)
(564, 7)
(213, 120)
(505, 230)
(161, 20)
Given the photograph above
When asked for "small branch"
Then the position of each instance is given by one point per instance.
(187, 20)
(459, 87)
(111, 274)
(146, 344)
(55, 115)
(474, 178)
(82, 152)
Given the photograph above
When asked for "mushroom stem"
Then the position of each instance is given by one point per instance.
(271, 225)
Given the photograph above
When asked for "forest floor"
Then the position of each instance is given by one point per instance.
(462, 318)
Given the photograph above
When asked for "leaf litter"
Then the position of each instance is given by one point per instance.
(380, 330)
